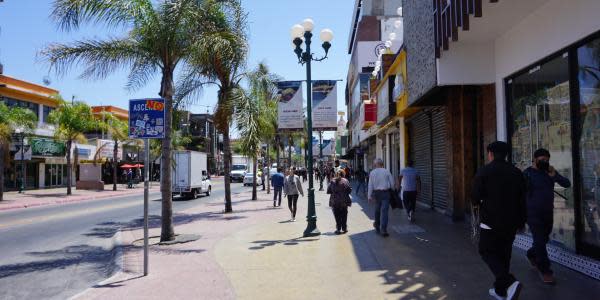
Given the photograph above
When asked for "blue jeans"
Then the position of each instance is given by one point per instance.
(278, 190)
(382, 199)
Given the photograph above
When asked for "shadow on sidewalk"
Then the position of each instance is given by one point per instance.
(291, 242)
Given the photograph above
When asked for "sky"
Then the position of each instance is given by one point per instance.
(26, 28)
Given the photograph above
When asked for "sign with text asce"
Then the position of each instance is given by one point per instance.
(147, 118)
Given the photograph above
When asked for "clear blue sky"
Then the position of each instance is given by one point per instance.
(26, 28)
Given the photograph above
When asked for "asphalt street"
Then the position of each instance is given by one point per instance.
(56, 252)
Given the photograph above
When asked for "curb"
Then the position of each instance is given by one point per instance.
(116, 264)
(65, 201)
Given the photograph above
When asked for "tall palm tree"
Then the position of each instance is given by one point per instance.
(72, 120)
(118, 131)
(161, 36)
(11, 119)
(255, 114)
(220, 60)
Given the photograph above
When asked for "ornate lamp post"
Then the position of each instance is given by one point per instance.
(302, 34)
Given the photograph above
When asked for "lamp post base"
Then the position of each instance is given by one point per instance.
(311, 229)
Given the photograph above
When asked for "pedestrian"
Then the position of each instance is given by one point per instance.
(340, 200)
(292, 188)
(380, 186)
(265, 176)
(540, 179)
(277, 183)
(129, 179)
(360, 177)
(409, 186)
(499, 193)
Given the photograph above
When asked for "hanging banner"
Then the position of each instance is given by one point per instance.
(289, 109)
(324, 105)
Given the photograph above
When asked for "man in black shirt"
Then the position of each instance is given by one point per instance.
(499, 192)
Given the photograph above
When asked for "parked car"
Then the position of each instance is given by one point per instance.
(248, 179)
(238, 171)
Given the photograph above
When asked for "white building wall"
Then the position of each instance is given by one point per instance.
(553, 26)
(479, 57)
(41, 175)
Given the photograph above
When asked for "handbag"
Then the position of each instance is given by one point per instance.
(349, 201)
(395, 201)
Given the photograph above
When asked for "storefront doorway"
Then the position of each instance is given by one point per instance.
(55, 175)
(555, 104)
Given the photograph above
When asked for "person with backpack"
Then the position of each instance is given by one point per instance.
(499, 193)
(540, 179)
(339, 188)
(292, 187)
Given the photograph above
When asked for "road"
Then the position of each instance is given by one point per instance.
(55, 252)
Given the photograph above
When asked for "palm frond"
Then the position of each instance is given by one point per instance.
(71, 14)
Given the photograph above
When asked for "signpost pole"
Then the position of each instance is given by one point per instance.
(146, 191)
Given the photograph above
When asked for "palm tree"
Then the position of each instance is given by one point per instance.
(11, 119)
(161, 36)
(255, 114)
(220, 60)
(118, 130)
(72, 120)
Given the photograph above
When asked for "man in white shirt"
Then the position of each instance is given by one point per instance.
(380, 184)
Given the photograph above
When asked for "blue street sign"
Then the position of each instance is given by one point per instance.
(147, 118)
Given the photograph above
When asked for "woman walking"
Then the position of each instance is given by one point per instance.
(291, 188)
(339, 189)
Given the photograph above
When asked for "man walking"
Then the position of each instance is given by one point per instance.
(380, 184)
(499, 192)
(410, 182)
(277, 181)
(540, 179)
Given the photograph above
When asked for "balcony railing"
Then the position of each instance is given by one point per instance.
(448, 15)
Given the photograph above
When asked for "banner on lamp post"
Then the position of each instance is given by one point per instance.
(324, 105)
(289, 107)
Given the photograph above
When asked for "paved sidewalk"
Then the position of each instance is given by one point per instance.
(41, 197)
(256, 253)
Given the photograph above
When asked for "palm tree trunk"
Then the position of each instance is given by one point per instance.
(2, 153)
(227, 169)
(115, 153)
(254, 179)
(268, 170)
(69, 170)
(167, 233)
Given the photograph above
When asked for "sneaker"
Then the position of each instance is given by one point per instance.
(513, 291)
(293, 219)
(385, 234)
(492, 292)
(548, 278)
(337, 232)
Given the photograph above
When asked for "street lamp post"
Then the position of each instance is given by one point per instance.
(298, 32)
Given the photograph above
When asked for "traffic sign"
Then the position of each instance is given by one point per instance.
(147, 118)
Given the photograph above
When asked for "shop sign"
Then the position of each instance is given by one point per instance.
(47, 147)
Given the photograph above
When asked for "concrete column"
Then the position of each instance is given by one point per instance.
(403, 142)
(41, 175)
(40, 114)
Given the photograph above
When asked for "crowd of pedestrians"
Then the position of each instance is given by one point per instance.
(505, 199)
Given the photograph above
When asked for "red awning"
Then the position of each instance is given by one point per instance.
(126, 166)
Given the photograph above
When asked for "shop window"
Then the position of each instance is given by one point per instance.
(540, 107)
(589, 143)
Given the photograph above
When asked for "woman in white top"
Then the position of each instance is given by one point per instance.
(292, 187)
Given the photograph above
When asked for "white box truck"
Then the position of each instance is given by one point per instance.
(190, 174)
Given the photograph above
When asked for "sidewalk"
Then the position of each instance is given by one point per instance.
(33, 198)
(255, 253)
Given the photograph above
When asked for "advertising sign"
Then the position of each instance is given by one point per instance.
(324, 105)
(147, 118)
(47, 147)
(26, 152)
(289, 109)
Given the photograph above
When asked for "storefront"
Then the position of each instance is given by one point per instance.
(555, 104)
(52, 163)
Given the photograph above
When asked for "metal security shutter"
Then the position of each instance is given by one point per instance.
(420, 153)
(440, 158)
